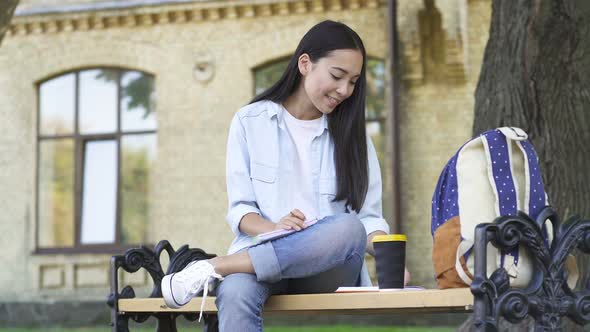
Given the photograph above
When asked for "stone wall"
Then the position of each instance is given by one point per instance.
(441, 63)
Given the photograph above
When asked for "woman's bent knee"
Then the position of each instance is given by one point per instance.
(350, 226)
(347, 230)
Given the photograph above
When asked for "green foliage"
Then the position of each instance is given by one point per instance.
(136, 92)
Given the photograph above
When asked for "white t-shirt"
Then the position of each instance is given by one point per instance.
(302, 132)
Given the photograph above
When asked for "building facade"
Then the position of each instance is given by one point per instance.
(115, 118)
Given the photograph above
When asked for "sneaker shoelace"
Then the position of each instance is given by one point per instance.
(201, 270)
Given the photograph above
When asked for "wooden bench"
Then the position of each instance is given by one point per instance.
(547, 298)
(428, 300)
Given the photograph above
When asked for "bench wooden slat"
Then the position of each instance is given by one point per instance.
(429, 300)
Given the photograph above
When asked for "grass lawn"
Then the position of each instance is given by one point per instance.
(338, 328)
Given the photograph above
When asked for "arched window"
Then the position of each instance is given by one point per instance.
(96, 148)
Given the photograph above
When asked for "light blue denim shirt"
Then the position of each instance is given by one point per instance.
(260, 159)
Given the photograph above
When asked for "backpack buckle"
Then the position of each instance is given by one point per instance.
(514, 133)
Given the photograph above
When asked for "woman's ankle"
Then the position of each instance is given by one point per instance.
(235, 263)
(214, 262)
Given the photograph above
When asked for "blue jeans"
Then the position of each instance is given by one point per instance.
(317, 260)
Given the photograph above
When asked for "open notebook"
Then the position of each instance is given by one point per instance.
(264, 237)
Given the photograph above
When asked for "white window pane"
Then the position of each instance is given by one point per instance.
(138, 155)
(56, 101)
(98, 101)
(99, 206)
(56, 193)
(137, 104)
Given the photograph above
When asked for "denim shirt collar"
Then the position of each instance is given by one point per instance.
(277, 110)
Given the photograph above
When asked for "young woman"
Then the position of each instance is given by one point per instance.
(297, 152)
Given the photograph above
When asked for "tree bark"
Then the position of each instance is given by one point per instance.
(536, 75)
(7, 8)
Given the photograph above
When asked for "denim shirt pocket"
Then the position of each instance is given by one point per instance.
(328, 186)
(264, 181)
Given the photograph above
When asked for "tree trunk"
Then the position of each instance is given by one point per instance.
(536, 75)
(6, 11)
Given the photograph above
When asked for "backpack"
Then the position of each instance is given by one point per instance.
(494, 174)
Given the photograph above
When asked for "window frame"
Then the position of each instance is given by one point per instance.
(79, 141)
(260, 66)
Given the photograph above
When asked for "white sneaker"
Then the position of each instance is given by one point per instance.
(179, 288)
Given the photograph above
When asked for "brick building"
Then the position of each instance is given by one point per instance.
(141, 93)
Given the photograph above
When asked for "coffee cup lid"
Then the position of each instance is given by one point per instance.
(390, 237)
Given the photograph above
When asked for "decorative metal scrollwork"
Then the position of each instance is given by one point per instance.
(547, 298)
(148, 259)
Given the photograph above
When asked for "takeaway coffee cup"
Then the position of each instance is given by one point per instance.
(390, 258)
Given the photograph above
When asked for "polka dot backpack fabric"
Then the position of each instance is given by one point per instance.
(495, 174)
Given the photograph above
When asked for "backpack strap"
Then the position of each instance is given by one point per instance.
(498, 148)
(464, 247)
(535, 198)
(445, 193)
(499, 154)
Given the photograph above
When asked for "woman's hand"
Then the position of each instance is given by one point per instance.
(406, 277)
(294, 220)
(369, 249)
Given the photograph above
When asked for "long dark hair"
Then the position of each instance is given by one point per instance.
(346, 123)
